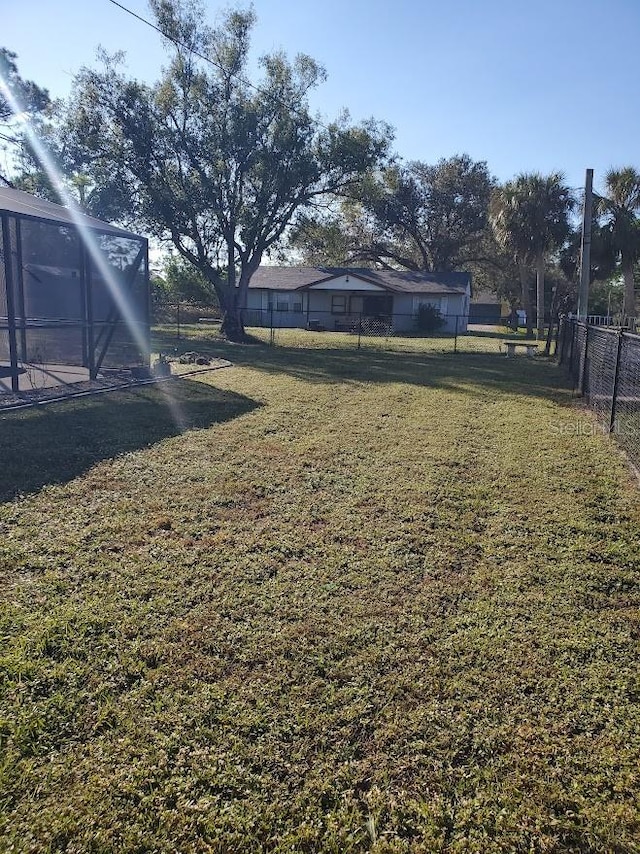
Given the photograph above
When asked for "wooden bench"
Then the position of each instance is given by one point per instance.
(531, 346)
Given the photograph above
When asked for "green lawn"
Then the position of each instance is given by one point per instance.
(322, 601)
(473, 342)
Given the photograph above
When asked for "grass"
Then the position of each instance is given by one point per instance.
(481, 342)
(351, 602)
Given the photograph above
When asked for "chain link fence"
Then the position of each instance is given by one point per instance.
(604, 363)
(326, 330)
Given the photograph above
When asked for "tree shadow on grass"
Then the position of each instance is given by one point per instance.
(469, 373)
(55, 443)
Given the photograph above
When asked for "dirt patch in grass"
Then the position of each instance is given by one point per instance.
(387, 606)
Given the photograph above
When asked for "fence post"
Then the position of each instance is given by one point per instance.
(272, 337)
(614, 395)
(572, 342)
(455, 337)
(585, 356)
(562, 338)
(359, 329)
(178, 320)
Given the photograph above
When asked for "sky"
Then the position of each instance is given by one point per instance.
(549, 85)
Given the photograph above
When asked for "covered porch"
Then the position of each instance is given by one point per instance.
(348, 304)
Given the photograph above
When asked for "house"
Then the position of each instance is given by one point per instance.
(343, 299)
(486, 307)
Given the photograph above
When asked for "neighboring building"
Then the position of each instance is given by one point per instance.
(338, 298)
(486, 307)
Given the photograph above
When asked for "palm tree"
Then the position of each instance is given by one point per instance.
(509, 224)
(530, 218)
(619, 210)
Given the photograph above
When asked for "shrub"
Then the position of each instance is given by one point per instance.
(429, 319)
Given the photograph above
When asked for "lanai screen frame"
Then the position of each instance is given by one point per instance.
(97, 334)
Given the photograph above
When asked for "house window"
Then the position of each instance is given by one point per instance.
(338, 304)
(420, 301)
(282, 304)
(297, 306)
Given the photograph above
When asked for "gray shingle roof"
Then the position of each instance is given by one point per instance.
(296, 278)
(24, 204)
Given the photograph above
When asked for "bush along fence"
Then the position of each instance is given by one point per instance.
(604, 363)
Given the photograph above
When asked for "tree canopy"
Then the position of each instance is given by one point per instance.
(184, 282)
(530, 220)
(208, 159)
(31, 97)
(417, 216)
(618, 210)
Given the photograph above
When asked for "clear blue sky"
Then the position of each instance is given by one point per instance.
(545, 85)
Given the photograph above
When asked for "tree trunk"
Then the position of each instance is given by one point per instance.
(232, 326)
(526, 296)
(629, 304)
(540, 296)
(236, 297)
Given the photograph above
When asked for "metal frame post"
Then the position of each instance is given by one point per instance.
(91, 342)
(20, 291)
(83, 304)
(11, 314)
(147, 303)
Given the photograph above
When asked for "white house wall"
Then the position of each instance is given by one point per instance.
(316, 306)
(405, 309)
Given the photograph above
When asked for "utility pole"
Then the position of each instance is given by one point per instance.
(585, 248)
